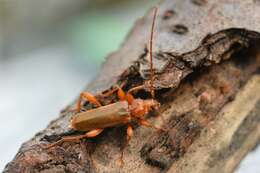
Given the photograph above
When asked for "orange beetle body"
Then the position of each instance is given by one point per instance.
(125, 111)
(112, 115)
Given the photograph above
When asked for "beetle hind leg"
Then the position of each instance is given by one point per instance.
(90, 134)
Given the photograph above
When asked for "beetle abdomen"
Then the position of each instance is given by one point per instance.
(102, 117)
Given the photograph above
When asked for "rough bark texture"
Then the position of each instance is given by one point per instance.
(206, 53)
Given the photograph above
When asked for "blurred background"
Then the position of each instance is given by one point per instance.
(49, 51)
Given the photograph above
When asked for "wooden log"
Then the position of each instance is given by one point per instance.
(225, 141)
(208, 51)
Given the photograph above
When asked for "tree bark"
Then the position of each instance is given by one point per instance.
(206, 63)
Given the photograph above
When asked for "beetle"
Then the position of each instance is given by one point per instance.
(126, 110)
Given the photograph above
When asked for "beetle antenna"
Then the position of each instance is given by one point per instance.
(151, 51)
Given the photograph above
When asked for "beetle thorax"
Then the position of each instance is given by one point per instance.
(140, 108)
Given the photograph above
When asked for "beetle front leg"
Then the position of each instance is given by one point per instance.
(90, 134)
(125, 96)
(140, 87)
(108, 93)
(89, 97)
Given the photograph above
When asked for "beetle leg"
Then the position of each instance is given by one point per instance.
(108, 93)
(125, 96)
(130, 98)
(90, 134)
(121, 94)
(136, 88)
(89, 97)
(148, 124)
(142, 87)
(129, 135)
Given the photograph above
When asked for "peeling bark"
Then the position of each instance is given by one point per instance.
(205, 54)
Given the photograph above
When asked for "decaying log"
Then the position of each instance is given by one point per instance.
(225, 141)
(206, 62)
